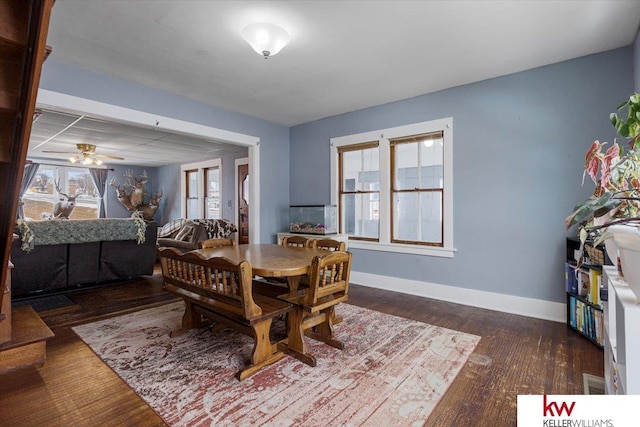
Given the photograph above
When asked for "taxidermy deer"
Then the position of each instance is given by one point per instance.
(138, 192)
(133, 192)
(63, 208)
(121, 194)
(150, 209)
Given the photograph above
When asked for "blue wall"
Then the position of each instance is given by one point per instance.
(65, 78)
(519, 145)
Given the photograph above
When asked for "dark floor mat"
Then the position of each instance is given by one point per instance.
(46, 302)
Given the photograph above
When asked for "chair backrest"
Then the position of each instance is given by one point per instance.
(331, 245)
(328, 279)
(298, 242)
(216, 243)
(219, 279)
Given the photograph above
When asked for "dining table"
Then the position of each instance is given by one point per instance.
(270, 260)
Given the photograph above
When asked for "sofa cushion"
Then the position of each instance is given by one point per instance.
(185, 233)
(172, 227)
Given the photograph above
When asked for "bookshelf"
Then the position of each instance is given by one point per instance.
(583, 288)
(622, 336)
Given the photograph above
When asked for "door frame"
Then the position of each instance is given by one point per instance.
(236, 210)
(63, 102)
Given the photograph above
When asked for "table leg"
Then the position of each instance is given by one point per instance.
(293, 282)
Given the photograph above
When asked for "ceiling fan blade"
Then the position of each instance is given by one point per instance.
(108, 156)
(60, 152)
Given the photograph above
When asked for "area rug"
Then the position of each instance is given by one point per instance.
(392, 372)
(45, 302)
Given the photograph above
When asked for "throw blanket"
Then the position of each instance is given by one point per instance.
(65, 231)
(216, 228)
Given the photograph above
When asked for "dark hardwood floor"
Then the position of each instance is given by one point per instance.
(516, 355)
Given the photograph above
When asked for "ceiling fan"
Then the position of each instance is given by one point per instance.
(87, 155)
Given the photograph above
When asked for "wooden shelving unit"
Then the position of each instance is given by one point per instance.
(23, 33)
(584, 307)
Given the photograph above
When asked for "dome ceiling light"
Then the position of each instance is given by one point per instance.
(266, 39)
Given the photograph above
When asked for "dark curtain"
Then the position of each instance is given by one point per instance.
(100, 180)
(29, 173)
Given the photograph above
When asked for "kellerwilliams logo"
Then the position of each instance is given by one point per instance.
(577, 411)
(552, 409)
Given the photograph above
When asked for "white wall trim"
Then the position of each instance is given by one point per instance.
(529, 307)
(63, 102)
(236, 212)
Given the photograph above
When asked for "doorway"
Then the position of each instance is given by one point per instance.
(63, 102)
(242, 185)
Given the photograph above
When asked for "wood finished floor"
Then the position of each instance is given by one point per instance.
(516, 355)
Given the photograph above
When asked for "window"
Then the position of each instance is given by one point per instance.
(48, 185)
(212, 197)
(192, 193)
(360, 190)
(416, 190)
(394, 188)
(201, 183)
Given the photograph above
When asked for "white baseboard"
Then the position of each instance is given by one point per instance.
(530, 307)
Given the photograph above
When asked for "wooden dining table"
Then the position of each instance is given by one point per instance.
(270, 260)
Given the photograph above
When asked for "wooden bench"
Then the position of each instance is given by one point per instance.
(220, 290)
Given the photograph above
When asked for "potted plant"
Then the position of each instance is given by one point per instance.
(612, 213)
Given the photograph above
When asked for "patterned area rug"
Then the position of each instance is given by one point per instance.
(393, 371)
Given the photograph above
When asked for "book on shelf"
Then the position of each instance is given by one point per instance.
(571, 278)
(595, 280)
(587, 319)
(583, 282)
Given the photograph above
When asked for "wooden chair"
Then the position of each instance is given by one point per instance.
(314, 307)
(331, 245)
(216, 243)
(298, 242)
(220, 290)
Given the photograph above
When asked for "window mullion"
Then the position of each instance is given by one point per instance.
(419, 172)
(385, 190)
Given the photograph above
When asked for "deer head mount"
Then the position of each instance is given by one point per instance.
(132, 194)
(64, 207)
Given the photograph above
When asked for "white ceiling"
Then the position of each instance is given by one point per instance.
(343, 55)
(58, 131)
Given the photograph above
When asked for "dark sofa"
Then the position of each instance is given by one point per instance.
(56, 267)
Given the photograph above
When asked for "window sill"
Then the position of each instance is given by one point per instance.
(405, 249)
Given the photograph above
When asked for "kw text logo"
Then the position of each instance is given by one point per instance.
(552, 409)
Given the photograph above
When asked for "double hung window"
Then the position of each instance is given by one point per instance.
(394, 188)
(201, 188)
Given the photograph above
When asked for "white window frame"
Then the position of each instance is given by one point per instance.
(200, 167)
(383, 136)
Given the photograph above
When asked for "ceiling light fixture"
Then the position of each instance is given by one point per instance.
(85, 159)
(266, 39)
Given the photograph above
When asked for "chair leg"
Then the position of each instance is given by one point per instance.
(324, 331)
(294, 345)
